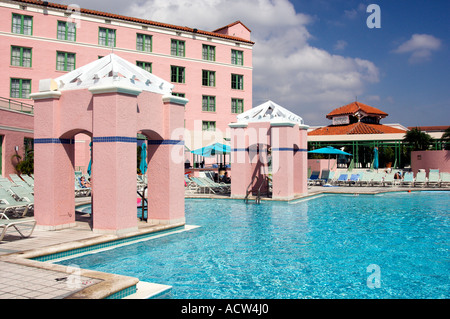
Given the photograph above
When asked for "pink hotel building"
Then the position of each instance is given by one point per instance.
(42, 40)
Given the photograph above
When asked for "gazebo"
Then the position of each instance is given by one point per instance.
(269, 140)
(111, 100)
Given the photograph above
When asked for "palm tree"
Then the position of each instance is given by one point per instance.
(446, 138)
(417, 140)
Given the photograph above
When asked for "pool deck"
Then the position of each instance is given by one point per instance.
(24, 278)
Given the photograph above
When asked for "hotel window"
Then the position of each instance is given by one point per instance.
(177, 74)
(20, 88)
(208, 78)
(177, 48)
(209, 52)
(107, 37)
(208, 125)
(147, 66)
(65, 61)
(208, 103)
(237, 81)
(237, 105)
(179, 94)
(237, 57)
(22, 24)
(144, 42)
(21, 56)
(67, 31)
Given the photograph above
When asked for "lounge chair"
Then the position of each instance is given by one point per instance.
(190, 186)
(324, 176)
(408, 179)
(6, 223)
(80, 190)
(354, 178)
(9, 205)
(202, 186)
(19, 182)
(28, 180)
(314, 178)
(445, 179)
(420, 180)
(365, 179)
(22, 193)
(433, 179)
(389, 180)
(377, 179)
(342, 179)
(5, 183)
(218, 187)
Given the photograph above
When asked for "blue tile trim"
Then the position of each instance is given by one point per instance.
(54, 141)
(239, 149)
(165, 142)
(114, 139)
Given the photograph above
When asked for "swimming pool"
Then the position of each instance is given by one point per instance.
(327, 247)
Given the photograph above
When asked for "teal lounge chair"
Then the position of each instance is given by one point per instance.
(10, 206)
(420, 180)
(433, 179)
(365, 179)
(408, 179)
(377, 179)
(445, 179)
(389, 180)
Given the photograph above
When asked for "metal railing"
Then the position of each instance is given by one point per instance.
(16, 105)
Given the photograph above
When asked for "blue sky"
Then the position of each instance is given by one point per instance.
(314, 56)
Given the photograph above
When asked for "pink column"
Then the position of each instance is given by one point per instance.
(240, 161)
(53, 161)
(166, 167)
(301, 163)
(114, 159)
(282, 140)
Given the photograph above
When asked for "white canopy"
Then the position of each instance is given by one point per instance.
(269, 112)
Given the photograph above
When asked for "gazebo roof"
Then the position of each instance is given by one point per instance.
(269, 112)
(110, 70)
(354, 108)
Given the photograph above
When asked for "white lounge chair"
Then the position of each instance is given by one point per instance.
(389, 180)
(365, 179)
(7, 223)
(12, 206)
(377, 178)
(421, 179)
(445, 179)
(433, 179)
(408, 179)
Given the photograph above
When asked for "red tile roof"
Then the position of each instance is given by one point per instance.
(232, 24)
(137, 20)
(355, 128)
(438, 128)
(354, 107)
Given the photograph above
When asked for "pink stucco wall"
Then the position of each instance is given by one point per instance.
(430, 160)
(14, 127)
(321, 164)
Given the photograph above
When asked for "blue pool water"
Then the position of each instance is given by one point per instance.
(320, 248)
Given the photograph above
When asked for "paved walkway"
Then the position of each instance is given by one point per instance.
(23, 278)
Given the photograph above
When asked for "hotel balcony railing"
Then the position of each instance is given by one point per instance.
(16, 105)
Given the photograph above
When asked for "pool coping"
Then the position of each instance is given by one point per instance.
(108, 285)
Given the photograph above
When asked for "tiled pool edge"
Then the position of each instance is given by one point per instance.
(111, 286)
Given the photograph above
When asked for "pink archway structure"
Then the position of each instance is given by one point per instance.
(111, 100)
(269, 141)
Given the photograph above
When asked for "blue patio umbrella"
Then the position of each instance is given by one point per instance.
(375, 158)
(330, 151)
(143, 163)
(213, 149)
(90, 161)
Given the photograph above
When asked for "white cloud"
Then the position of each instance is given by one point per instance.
(340, 45)
(420, 46)
(287, 69)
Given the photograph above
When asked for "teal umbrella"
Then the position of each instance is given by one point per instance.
(213, 149)
(375, 158)
(143, 163)
(90, 161)
(329, 150)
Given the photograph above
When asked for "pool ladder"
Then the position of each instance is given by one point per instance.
(143, 202)
(258, 194)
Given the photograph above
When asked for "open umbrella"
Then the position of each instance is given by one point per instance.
(330, 151)
(143, 163)
(90, 161)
